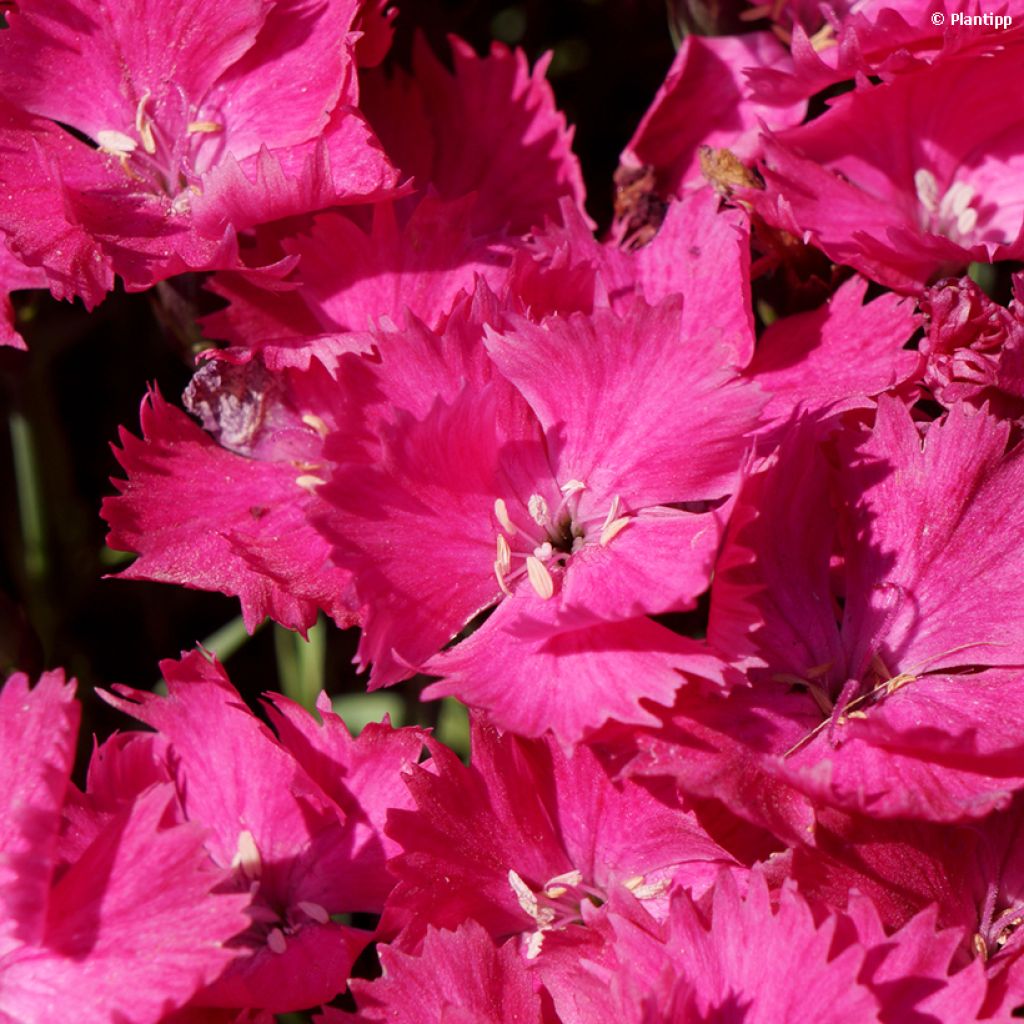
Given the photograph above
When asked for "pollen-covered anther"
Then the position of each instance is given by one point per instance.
(980, 946)
(308, 482)
(646, 890)
(538, 509)
(527, 899)
(144, 124)
(276, 941)
(540, 578)
(314, 422)
(247, 856)
(613, 529)
(561, 884)
(204, 127)
(571, 487)
(314, 911)
(116, 143)
(501, 514)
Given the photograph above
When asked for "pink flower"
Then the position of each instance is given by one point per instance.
(76, 909)
(200, 121)
(232, 516)
(561, 486)
(974, 347)
(848, 182)
(459, 976)
(530, 840)
(488, 127)
(301, 850)
(731, 956)
(705, 101)
(900, 700)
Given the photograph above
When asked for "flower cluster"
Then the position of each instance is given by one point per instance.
(711, 521)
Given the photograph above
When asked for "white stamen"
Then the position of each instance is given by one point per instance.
(276, 941)
(540, 578)
(572, 487)
(316, 423)
(309, 482)
(651, 891)
(204, 127)
(613, 529)
(533, 945)
(499, 575)
(539, 510)
(524, 894)
(247, 856)
(116, 143)
(315, 911)
(143, 124)
(560, 884)
(613, 513)
(967, 220)
(956, 200)
(501, 514)
(927, 189)
(573, 878)
(504, 560)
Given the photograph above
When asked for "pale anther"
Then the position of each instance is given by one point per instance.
(116, 143)
(927, 189)
(652, 890)
(524, 894)
(143, 124)
(613, 529)
(247, 856)
(504, 560)
(501, 514)
(276, 941)
(613, 514)
(539, 510)
(540, 578)
(314, 422)
(572, 487)
(204, 127)
(315, 911)
(308, 482)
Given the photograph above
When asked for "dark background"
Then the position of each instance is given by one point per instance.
(85, 375)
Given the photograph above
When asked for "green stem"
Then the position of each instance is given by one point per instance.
(30, 501)
(229, 638)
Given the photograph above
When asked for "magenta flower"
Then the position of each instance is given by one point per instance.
(120, 921)
(458, 976)
(302, 852)
(231, 516)
(705, 101)
(903, 180)
(564, 497)
(530, 841)
(198, 121)
(489, 127)
(732, 956)
(901, 703)
(974, 347)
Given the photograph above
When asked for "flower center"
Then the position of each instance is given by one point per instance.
(271, 923)
(166, 148)
(954, 214)
(544, 541)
